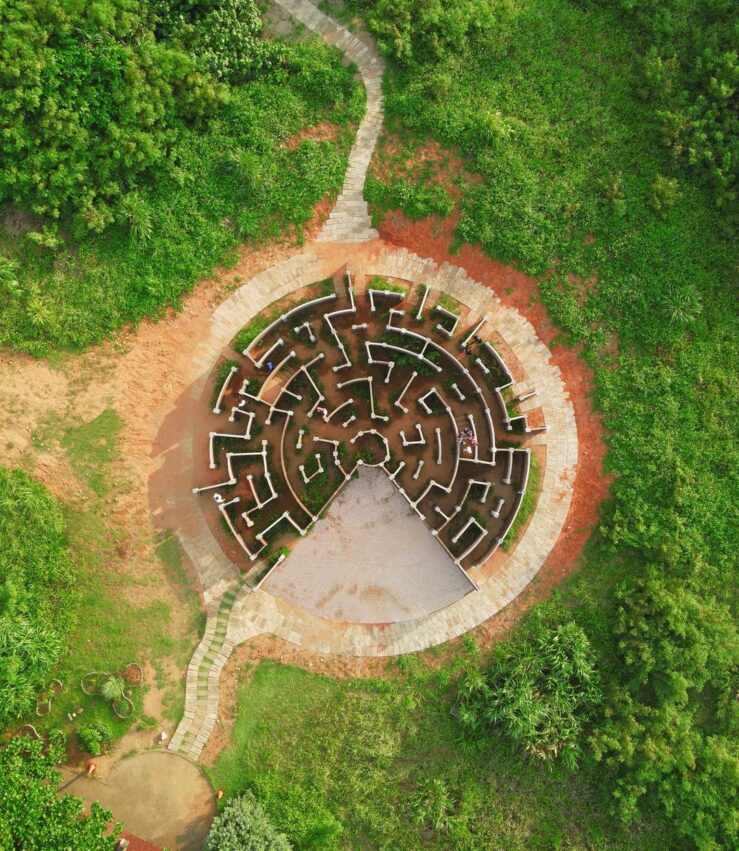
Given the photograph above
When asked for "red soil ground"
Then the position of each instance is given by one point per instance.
(433, 238)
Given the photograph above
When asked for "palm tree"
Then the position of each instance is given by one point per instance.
(9, 276)
(136, 213)
(113, 688)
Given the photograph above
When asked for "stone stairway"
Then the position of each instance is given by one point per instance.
(203, 676)
(349, 220)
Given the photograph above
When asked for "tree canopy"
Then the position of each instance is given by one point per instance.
(33, 817)
(90, 100)
(243, 826)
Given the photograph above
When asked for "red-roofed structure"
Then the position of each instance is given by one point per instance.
(136, 844)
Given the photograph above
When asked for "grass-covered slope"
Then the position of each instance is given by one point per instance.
(589, 131)
(378, 764)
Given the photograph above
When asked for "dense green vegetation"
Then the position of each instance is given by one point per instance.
(561, 113)
(381, 764)
(132, 169)
(32, 816)
(540, 691)
(244, 826)
(35, 582)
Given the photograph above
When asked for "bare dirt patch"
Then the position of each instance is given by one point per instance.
(324, 131)
(427, 160)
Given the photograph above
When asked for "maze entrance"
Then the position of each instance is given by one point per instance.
(385, 410)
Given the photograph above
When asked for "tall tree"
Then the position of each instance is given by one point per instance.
(33, 816)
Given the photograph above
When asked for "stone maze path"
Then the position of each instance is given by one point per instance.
(340, 381)
(236, 610)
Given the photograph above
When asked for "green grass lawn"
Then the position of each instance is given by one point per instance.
(114, 622)
(378, 764)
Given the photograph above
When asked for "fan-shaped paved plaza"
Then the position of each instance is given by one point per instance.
(369, 560)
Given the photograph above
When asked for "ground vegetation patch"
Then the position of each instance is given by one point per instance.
(600, 142)
(161, 151)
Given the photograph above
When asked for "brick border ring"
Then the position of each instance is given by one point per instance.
(257, 611)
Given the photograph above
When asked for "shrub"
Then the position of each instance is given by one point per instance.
(95, 737)
(228, 40)
(410, 30)
(540, 690)
(93, 103)
(243, 826)
(113, 688)
(32, 813)
(316, 494)
(664, 194)
(252, 330)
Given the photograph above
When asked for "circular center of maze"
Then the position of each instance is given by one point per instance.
(367, 460)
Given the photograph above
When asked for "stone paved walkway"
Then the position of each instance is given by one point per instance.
(203, 676)
(235, 613)
(349, 220)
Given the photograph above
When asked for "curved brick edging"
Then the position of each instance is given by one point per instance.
(349, 220)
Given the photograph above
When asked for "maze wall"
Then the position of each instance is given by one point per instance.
(392, 378)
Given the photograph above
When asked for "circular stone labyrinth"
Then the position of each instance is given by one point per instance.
(371, 457)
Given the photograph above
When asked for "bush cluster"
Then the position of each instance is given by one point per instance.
(33, 815)
(35, 590)
(132, 165)
(243, 826)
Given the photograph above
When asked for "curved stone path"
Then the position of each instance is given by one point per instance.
(349, 220)
(203, 676)
(236, 612)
